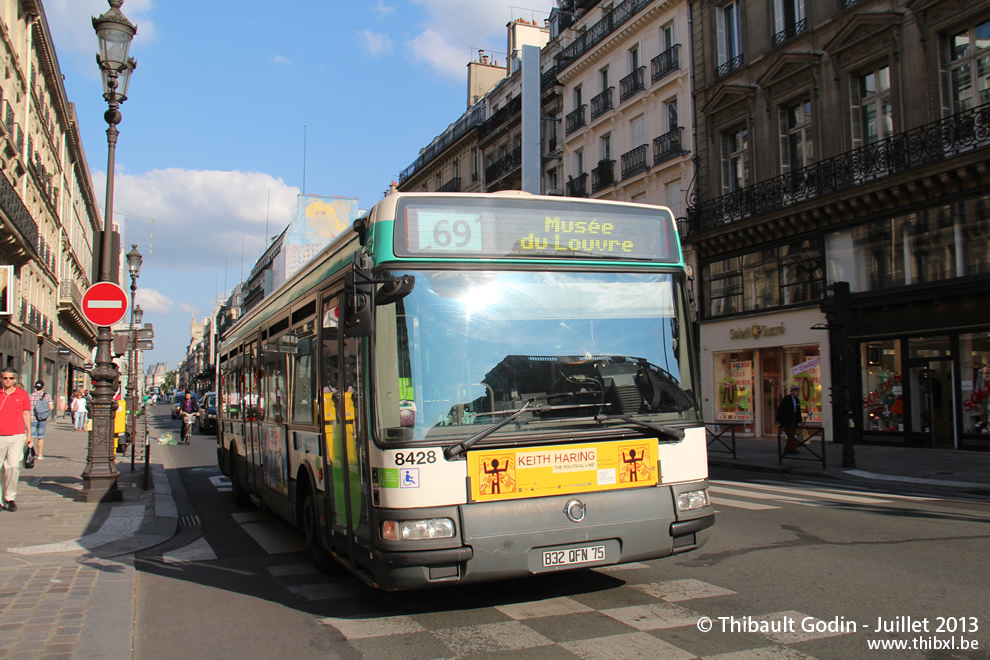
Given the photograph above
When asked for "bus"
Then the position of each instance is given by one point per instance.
(473, 387)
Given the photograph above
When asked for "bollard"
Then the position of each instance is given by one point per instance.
(147, 460)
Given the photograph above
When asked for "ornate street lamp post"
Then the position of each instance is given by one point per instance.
(99, 477)
(134, 260)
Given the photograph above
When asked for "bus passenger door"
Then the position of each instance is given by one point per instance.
(252, 425)
(355, 383)
(336, 444)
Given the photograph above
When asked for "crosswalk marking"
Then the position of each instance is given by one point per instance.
(857, 499)
(767, 496)
(742, 504)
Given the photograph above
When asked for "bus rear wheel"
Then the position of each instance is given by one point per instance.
(240, 495)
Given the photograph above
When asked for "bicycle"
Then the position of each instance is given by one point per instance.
(187, 426)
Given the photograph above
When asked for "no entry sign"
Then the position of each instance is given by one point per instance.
(104, 303)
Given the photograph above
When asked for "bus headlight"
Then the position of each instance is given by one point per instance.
(415, 530)
(695, 499)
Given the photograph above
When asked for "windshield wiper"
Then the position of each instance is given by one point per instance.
(670, 431)
(465, 444)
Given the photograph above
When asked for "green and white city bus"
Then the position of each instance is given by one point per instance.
(470, 387)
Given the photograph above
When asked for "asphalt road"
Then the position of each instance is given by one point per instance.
(794, 567)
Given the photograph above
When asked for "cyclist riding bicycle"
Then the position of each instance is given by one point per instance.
(189, 409)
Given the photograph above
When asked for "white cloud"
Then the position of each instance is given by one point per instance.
(188, 309)
(453, 28)
(72, 29)
(382, 8)
(376, 43)
(279, 59)
(201, 218)
(152, 302)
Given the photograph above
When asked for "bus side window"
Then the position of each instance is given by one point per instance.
(304, 382)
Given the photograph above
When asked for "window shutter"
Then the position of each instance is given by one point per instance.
(778, 16)
(798, 11)
(720, 34)
(855, 113)
(948, 108)
(785, 152)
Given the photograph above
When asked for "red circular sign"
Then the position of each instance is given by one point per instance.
(104, 303)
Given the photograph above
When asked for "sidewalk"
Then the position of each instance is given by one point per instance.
(67, 567)
(946, 471)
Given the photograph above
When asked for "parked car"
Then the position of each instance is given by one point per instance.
(177, 403)
(208, 413)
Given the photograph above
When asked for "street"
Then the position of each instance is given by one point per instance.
(794, 567)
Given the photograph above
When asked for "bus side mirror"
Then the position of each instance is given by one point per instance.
(359, 291)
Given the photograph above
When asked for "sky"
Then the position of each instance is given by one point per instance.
(238, 106)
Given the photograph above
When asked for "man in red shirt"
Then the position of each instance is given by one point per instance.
(15, 430)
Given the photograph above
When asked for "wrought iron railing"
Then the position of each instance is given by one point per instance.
(599, 31)
(729, 65)
(789, 32)
(632, 83)
(601, 103)
(578, 186)
(667, 145)
(454, 185)
(499, 117)
(664, 64)
(603, 176)
(634, 161)
(472, 118)
(548, 79)
(14, 209)
(575, 119)
(507, 163)
(945, 138)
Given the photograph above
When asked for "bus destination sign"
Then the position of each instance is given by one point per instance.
(482, 227)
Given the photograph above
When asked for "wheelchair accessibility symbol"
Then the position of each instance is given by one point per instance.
(408, 477)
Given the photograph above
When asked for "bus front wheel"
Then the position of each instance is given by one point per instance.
(311, 531)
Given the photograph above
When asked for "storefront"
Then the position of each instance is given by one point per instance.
(750, 363)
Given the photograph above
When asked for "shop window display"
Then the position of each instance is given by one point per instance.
(974, 350)
(883, 402)
(734, 378)
(803, 366)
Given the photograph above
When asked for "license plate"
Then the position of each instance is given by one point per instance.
(572, 556)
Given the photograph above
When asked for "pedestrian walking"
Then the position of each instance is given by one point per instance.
(89, 399)
(15, 432)
(79, 411)
(41, 409)
(789, 417)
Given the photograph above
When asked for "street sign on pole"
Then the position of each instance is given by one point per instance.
(104, 304)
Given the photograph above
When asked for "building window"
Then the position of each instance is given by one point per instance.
(728, 27)
(670, 121)
(969, 68)
(722, 287)
(603, 80)
(674, 198)
(633, 59)
(735, 160)
(552, 179)
(605, 147)
(578, 163)
(871, 107)
(788, 18)
(796, 141)
(734, 380)
(667, 37)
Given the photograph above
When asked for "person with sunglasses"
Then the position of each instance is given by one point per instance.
(15, 431)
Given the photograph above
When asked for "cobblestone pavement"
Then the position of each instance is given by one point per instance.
(66, 567)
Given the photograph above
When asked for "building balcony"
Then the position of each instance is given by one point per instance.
(598, 32)
(789, 32)
(603, 176)
(575, 119)
(578, 186)
(500, 117)
(503, 166)
(729, 65)
(601, 103)
(932, 143)
(664, 64)
(634, 162)
(631, 84)
(667, 145)
(454, 185)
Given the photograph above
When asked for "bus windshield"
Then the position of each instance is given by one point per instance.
(466, 349)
